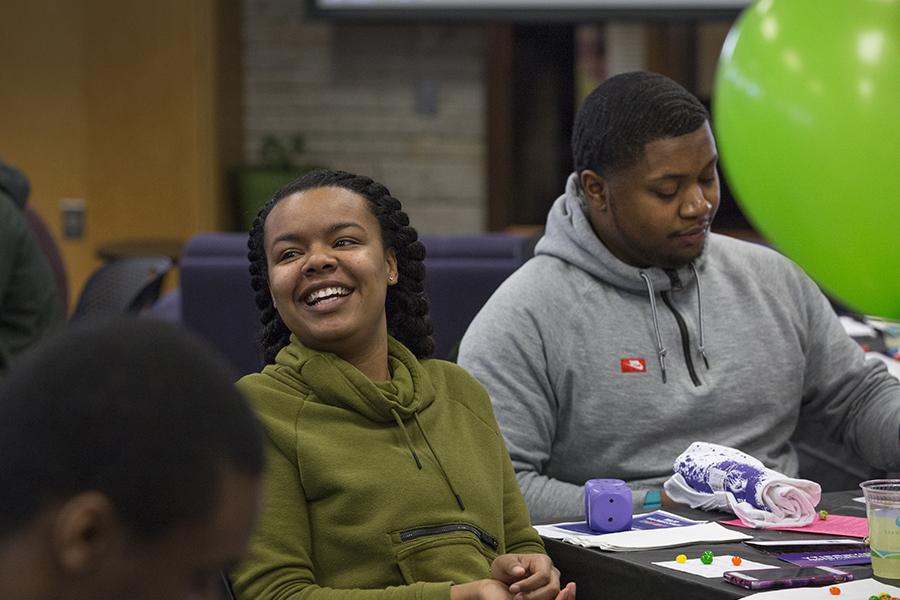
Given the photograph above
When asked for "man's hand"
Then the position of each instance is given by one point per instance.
(531, 577)
(666, 502)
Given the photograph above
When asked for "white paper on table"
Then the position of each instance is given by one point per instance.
(888, 326)
(719, 565)
(648, 539)
(893, 365)
(860, 589)
(805, 542)
(554, 532)
(655, 519)
(856, 328)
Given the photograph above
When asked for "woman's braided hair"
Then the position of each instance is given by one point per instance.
(405, 305)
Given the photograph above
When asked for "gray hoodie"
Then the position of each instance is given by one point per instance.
(597, 369)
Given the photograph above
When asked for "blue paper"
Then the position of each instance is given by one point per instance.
(834, 558)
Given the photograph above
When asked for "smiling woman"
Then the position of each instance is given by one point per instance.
(310, 216)
(356, 413)
(329, 274)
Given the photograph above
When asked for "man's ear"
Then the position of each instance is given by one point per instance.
(84, 529)
(595, 189)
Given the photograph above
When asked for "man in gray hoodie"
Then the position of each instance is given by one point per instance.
(634, 331)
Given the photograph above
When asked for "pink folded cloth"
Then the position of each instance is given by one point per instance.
(714, 477)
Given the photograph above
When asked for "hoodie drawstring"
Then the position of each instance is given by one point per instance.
(406, 437)
(415, 456)
(660, 349)
(701, 347)
(439, 464)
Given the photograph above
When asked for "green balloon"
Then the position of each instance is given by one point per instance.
(806, 108)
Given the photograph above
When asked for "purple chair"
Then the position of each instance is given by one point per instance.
(216, 299)
(462, 271)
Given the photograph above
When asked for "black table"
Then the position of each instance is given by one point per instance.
(622, 575)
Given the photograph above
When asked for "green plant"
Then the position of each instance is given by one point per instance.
(281, 152)
(279, 160)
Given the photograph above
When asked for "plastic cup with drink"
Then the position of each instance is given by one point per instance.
(883, 513)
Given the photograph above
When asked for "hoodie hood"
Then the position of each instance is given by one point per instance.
(14, 184)
(570, 237)
(338, 383)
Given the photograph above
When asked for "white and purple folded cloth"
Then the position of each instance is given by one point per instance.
(710, 476)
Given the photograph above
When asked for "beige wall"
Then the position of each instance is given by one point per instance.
(114, 102)
(355, 91)
(136, 106)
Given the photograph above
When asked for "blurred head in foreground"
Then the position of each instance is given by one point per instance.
(130, 466)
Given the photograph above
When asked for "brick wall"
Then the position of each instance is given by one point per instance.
(403, 103)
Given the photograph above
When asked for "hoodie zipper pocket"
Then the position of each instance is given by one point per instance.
(419, 532)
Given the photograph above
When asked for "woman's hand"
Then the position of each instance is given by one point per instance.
(531, 577)
(483, 589)
(492, 589)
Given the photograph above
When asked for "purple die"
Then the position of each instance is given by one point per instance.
(607, 504)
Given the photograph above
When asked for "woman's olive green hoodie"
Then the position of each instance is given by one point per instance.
(378, 490)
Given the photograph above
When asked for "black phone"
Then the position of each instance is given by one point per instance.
(785, 577)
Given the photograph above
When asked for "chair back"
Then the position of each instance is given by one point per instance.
(461, 273)
(122, 286)
(225, 592)
(217, 301)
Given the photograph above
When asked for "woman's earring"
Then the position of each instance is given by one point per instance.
(391, 278)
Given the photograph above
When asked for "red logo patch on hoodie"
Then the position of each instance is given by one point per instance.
(633, 365)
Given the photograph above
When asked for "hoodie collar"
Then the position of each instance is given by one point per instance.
(338, 383)
(570, 237)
